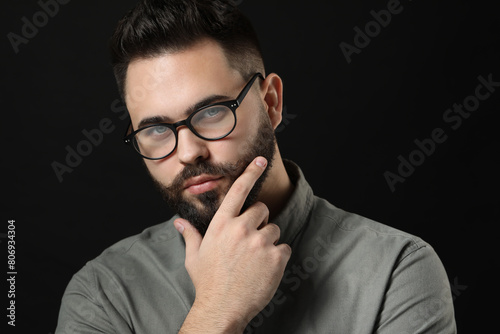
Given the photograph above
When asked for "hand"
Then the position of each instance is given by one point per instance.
(237, 267)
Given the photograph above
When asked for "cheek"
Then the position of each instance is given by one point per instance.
(163, 171)
(247, 124)
(225, 150)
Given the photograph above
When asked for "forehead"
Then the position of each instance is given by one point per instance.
(171, 83)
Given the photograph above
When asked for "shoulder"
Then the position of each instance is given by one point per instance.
(363, 234)
(399, 271)
(136, 253)
(103, 293)
(152, 236)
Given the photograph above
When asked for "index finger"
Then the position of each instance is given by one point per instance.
(237, 194)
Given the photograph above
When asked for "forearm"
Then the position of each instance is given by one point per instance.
(205, 319)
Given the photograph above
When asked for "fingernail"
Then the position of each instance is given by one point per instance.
(179, 227)
(261, 162)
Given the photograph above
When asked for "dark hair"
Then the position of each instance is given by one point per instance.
(155, 27)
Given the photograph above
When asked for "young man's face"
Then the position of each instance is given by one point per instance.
(196, 176)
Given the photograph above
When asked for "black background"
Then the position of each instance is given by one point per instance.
(346, 125)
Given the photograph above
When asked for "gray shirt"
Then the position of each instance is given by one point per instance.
(347, 274)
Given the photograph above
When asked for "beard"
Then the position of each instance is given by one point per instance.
(200, 214)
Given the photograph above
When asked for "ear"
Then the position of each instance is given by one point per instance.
(272, 89)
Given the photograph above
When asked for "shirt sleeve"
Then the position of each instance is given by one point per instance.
(86, 309)
(418, 297)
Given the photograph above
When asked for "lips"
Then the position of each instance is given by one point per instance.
(202, 183)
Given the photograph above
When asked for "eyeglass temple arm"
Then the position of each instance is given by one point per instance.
(247, 87)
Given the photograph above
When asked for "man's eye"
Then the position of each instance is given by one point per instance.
(212, 112)
(212, 115)
(158, 131)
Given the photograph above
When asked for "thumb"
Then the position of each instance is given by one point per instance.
(191, 235)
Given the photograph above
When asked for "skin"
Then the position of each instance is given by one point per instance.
(237, 266)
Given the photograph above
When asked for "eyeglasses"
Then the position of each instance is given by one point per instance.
(212, 122)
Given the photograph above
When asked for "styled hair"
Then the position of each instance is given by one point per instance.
(156, 27)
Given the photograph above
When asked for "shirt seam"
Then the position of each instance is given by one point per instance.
(93, 282)
(133, 242)
(308, 212)
(413, 239)
(416, 247)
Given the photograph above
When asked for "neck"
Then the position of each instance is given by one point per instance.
(277, 188)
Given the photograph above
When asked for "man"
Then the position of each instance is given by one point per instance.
(251, 249)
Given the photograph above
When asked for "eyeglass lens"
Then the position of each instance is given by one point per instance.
(209, 123)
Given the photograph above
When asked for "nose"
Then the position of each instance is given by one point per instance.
(190, 148)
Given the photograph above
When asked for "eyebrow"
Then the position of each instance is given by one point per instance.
(165, 119)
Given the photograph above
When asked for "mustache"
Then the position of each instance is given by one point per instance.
(204, 167)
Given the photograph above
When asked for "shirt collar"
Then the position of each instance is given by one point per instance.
(296, 212)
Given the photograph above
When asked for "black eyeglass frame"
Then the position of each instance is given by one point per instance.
(232, 105)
